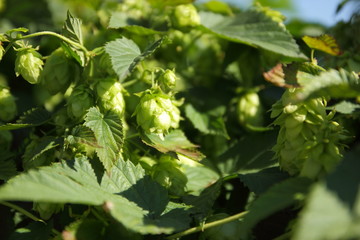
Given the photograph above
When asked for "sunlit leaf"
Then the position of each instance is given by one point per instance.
(345, 107)
(108, 130)
(176, 142)
(125, 54)
(323, 43)
(255, 29)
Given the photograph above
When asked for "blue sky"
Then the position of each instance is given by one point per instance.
(320, 11)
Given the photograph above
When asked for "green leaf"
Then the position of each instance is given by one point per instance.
(332, 83)
(260, 181)
(205, 122)
(251, 153)
(130, 181)
(203, 203)
(43, 145)
(90, 229)
(345, 107)
(278, 197)
(72, 30)
(125, 54)
(255, 29)
(325, 43)
(121, 20)
(7, 166)
(175, 141)
(108, 130)
(69, 182)
(83, 134)
(332, 210)
(31, 118)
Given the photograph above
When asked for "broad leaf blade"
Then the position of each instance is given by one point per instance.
(31, 118)
(332, 83)
(176, 142)
(7, 166)
(345, 107)
(130, 181)
(125, 54)
(255, 29)
(108, 130)
(72, 30)
(325, 43)
(278, 197)
(206, 123)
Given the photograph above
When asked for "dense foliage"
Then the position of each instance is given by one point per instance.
(168, 119)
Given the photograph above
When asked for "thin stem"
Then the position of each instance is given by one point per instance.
(21, 210)
(65, 39)
(206, 226)
(312, 55)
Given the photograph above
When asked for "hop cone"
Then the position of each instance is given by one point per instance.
(249, 109)
(185, 16)
(59, 72)
(7, 105)
(309, 142)
(157, 113)
(80, 100)
(169, 174)
(28, 64)
(110, 96)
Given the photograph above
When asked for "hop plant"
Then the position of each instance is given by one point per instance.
(110, 96)
(59, 72)
(157, 113)
(185, 16)
(29, 65)
(7, 105)
(168, 173)
(46, 210)
(80, 100)
(309, 141)
(2, 51)
(249, 110)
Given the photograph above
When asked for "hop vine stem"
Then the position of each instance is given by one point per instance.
(21, 210)
(207, 225)
(65, 39)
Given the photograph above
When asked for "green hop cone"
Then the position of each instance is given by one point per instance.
(168, 173)
(7, 105)
(110, 96)
(157, 113)
(29, 65)
(184, 16)
(249, 110)
(80, 100)
(59, 71)
(309, 142)
(167, 80)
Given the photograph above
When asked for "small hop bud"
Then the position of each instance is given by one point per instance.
(46, 210)
(29, 64)
(110, 96)
(7, 105)
(185, 16)
(157, 113)
(167, 80)
(80, 100)
(249, 109)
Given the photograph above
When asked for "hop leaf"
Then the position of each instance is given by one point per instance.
(29, 64)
